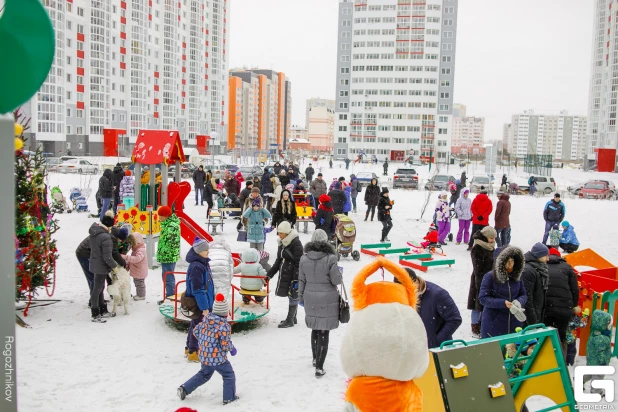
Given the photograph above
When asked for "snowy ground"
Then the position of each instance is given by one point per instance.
(136, 362)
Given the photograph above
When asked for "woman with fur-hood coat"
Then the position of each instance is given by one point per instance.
(500, 288)
(318, 278)
(285, 209)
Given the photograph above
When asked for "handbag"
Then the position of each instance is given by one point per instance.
(242, 236)
(188, 307)
(344, 306)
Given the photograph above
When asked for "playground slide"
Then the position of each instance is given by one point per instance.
(177, 193)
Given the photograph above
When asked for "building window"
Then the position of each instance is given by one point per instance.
(69, 77)
(446, 59)
(340, 151)
(347, 23)
(448, 22)
(449, 10)
(68, 24)
(445, 95)
(343, 105)
(341, 140)
(447, 34)
(444, 107)
(345, 58)
(343, 117)
(447, 46)
(80, 12)
(446, 71)
(442, 131)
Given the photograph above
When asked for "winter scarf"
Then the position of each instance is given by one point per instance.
(325, 207)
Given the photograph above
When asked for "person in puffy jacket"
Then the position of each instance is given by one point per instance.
(385, 205)
(372, 197)
(309, 172)
(145, 178)
(562, 296)
(481, 209)
(285, 209)
(137, 264)
(443, 217)
(482, 256)
(199, 178)
(209, 192)
(117, 176)
(284, 178)
(168, 247)
(356, 189)
(127, 186)
(106, 191)
(101, 264)
(323, 218)
(200, 287)
(553, 214)
(337, 198)
(499, 289)
(276, 195)
(463, 209)
(503, 223)
(536, 279)
(437, 310)
(221, 267)
(231, 186)
(347, 206)
(266, 184)
(251, 266)
(318, 187)
(256, 215)
(568, 240)
(318, 278)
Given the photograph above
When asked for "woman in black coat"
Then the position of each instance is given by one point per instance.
(372, 196)
(285, 210)
(288, 258)
(324, 217)
(482, 255)
(337, 198)
(562, 295)
(463, 179)
(385, 205)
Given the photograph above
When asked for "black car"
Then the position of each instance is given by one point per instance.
(439, 182)
(405, 177)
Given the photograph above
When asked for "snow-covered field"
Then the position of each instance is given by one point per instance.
(136, 362)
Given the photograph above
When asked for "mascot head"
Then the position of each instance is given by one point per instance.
(386, 336)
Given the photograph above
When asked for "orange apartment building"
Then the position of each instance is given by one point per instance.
(260, 109)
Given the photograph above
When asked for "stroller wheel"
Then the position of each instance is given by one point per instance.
(356, 255)
(345, 255)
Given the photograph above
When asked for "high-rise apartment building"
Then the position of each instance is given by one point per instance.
(507, 137)
(131, 65)
(321, 128)
(267, 107)
(395, 71)
(317, 102)
(468, 135)
(561, 136)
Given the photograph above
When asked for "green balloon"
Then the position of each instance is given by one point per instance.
(27, 46)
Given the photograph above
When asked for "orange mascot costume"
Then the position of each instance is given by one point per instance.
(385, 347)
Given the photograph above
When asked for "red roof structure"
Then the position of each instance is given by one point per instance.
(158, 146)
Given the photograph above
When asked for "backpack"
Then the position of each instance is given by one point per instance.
(359, 188)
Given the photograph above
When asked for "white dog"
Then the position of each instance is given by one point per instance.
(120, 289)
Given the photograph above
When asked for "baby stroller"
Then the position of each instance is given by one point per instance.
(345, 235)
(79, 201)
(60, 204)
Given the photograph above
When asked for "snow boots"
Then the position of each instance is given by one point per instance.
(192, 357)
(182, 393)
(290, 320)
(96, 316)
(321, 352)
(104, 313)
(476, 331)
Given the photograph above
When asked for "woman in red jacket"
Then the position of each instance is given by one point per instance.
(481, 209)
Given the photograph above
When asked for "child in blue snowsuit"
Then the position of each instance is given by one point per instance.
(214, 335)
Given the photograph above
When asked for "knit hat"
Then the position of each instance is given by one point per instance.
(123, 233)
(220, 307)
(284, 227)
(164, 211)
(565, 223)
(384, 190)
(107, 220)
(554, 251)
(442, 194)
(249, 183)
(255, 190)
(118, 164)
(483, 190)
(319, 236)
(489, 232)
(256, 202)
(432, 227)
(539, 250)
(128, 173)
(320, 174)
(200, 245)
(324, 198)
(466, 191)
(341, 179)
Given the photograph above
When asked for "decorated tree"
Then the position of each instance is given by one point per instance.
(36, 251)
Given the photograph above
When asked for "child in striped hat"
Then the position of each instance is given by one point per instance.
(214, 336)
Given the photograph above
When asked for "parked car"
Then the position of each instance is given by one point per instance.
(596, 190)
(439, 182)
(78, 166)
(65, 158)
(52, 163)
(405, 177)
(249, 172)
(364, 178)
(480, 181)
(218, 170)
(545, 184)
(415, 161)
(232, 168)
(576, 188)
(186, 170)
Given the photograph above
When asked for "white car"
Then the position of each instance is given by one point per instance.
(78, 166)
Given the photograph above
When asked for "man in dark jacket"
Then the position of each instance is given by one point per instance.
(117, 175)
(106, 191)
(347, 163)
(463, 179)
(536, 281)
(101, 263)
(562, 296)
(372, 197)
(199, 177)
(277, 168)
(288, 259)
(503, 223)
(337, 198)
(309, 172)
(385, 205)
(437, 309)
(318, 188)
(482, 256)
(292, 174)
(266, 185)
(553, 214)
(385, 167)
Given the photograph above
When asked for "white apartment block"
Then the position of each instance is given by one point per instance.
(298, 133)
(507, 137)
(317, 102)
(395, 72)
(129, 65)
(561, 136)
(468, 135)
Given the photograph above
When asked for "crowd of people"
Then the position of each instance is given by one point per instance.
(508, 288)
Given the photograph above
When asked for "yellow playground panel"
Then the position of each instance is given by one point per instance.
(144, 222)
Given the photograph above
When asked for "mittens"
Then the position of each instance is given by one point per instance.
(518, 311)
(233, 352)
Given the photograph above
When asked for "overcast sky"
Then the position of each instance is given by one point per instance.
(511, 56)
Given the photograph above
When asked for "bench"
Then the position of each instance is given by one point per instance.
(366, 248)
(424, 264)
(253, 292)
